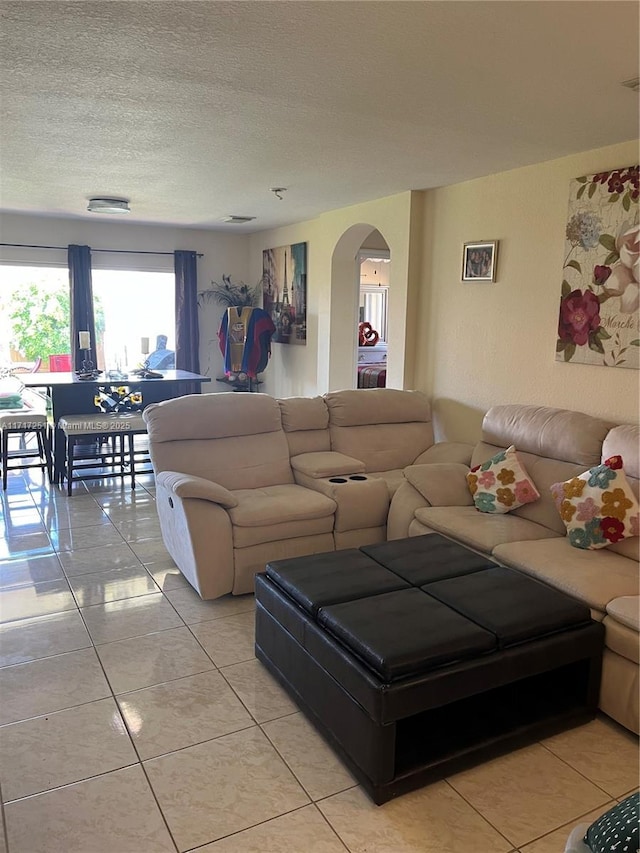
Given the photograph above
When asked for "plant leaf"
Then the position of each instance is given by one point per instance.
(626, 202)
(566, 288)
(582, 180)
(602, 334)
(602, 297)
(614, 197)
(595, 344)
(608, 241)
(611, 258)
(635, 343)
(569, 351)
(560, 345)
(580, 192)
(575, 265)
(592, 189)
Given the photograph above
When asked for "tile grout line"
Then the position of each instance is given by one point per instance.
(131, 741)
(579, 772)
(5, 830)
(478, 812)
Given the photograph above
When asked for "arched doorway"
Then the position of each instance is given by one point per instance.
(345, 300)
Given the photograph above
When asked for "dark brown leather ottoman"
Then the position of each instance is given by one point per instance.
(418, 658)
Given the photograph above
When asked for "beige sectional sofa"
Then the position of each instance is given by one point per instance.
(554, 445)
(242, 479)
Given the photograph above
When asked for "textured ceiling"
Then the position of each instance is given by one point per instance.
(194, 109)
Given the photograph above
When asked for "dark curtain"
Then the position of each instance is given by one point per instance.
(82, 319)
(187, 336)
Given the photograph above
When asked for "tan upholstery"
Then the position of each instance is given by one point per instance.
(595, 577)
(482, 531)
(326, 464)
(261, 468)
(226, 497)
(554, 445)
(385, 428)
(305, 421)
(554, 433)
(626, 610)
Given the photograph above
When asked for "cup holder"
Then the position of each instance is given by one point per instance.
(337, 480)
(357, 477)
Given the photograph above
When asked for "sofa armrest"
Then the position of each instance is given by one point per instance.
(441, 483)
(446, 451)
(327, 463)
(188, 486)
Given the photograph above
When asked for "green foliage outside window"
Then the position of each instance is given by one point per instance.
(40, 319)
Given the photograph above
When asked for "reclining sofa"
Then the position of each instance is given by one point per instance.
(554, 445)
(242, 479)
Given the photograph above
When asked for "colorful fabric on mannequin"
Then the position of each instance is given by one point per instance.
(245, 340)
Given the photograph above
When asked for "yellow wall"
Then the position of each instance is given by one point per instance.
(328, 359)
(480, 344)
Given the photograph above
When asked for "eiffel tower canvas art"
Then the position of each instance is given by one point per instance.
(284, 288)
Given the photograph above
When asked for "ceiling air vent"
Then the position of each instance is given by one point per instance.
(237, 220)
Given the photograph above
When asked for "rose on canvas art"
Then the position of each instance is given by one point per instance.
(600, 298)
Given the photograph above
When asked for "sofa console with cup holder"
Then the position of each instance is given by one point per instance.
(242, 479)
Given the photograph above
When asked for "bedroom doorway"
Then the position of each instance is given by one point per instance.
(373, 268)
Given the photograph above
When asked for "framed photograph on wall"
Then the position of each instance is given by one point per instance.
(479, 261)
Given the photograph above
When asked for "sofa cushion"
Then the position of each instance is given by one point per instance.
(594, 577)
(501, 483)
(305, 421)
(479, 530)
(598, 506)
(626, 610)
(543, 431)
(247, 537)
(277, 504)
(384, 427)
(377, 406)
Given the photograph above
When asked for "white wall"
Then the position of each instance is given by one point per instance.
(483, 344)
(223, 253)
(328, 358)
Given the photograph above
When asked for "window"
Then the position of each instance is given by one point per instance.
(34, 317)
(132, 307)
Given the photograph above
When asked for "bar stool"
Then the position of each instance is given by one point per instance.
(109, 429)
(21, 422)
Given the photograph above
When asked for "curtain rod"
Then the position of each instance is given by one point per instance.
(110, 251)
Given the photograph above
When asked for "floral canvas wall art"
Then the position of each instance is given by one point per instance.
(599, 316)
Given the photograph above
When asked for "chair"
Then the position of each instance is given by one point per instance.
(60, 363)
(35, 367)
(31, 418)
(109, 429)
(225, 491)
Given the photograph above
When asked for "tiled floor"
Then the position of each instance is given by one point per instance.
(134, 717)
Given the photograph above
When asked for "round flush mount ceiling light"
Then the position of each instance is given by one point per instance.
(108, 205)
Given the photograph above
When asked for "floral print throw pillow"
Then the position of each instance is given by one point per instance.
(501, 483)
(598, 507)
